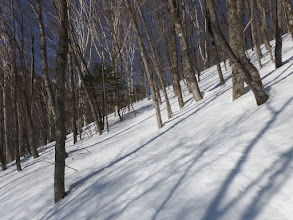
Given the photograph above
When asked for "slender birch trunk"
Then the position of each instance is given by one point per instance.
(290, 16)
(188, 70)
(143, 53)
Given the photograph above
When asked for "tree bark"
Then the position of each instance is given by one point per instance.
(254, 33)
(2, 134)
(61, 67)
(278, 36)
(290, 16)
(235, 17)
(216, 57)
(75, 48)
(45, 68)
(174, 63)
(155, 63)
(188, 70)
(143, 53)
(6, 115)
(264, 31)
(14, 95)
(73, 101)
(246, 68)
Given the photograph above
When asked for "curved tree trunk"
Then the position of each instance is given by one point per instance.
(247, 70)
(216, 57)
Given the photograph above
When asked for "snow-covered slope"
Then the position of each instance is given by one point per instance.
(215, 159)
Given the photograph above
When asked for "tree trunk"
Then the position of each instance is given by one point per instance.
(264, 31)
(2, 134)
(216, 57)
(80, 73)
(143, 53)
(254, 33)
(73, 101)
(188, 70)
(272, 18)
(278, 36)
(155, 63)
(6, 114)
(174, 63)
(245, 67)
(14, 95)
(45, 69)
(61, 67)
(16, 123)
(235, 17)
(290, 16)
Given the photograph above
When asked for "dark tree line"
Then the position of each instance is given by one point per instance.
(66, 63)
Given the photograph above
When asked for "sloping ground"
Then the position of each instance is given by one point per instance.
(215, 159)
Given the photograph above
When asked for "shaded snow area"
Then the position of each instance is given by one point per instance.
(215, 159)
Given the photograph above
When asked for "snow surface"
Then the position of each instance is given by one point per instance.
(215, 159)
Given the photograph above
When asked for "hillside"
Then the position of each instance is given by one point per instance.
(215, 159)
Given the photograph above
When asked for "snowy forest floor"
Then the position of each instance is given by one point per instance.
(215, 159)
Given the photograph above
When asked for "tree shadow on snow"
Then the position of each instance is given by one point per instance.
(279, 75)
(112, 136)
(216, 210)
(120, 160)
(203, 104)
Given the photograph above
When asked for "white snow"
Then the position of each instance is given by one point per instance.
(215, 159)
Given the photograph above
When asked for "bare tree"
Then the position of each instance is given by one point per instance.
(247, 70)
(188, 70)
(45, 69)
(290, 15)
(61, 67)
(278, 36)
(144, 57)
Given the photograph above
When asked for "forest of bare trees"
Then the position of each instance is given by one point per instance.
(66, 63)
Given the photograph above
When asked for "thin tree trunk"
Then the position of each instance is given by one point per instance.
(6, 115)
(89, 98)
(14, 96)
(45, 69)
(264, 31)
(188, 70)
(216, 57)
(175, 65)
(290, 16)
(155, 63)
(73, 101)
(146, 64)
(254, 34)
(278, 37)
(16, 134)
(2, 130)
